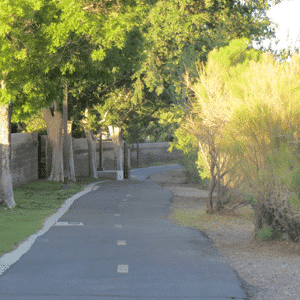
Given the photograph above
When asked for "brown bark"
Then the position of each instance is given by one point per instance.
(6, 185)
(55, 137)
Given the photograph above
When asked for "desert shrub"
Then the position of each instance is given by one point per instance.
(245, 119)
(267, 234)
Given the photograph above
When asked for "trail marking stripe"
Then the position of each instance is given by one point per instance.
(118, 226)
(121, 243)
(122, 269)
(68, 224)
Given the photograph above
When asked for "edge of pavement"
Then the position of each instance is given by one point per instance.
(10, 258)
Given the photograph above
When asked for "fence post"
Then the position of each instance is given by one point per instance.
(100, 152)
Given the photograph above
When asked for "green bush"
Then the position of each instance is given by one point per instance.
(188, 144)
(268, 234)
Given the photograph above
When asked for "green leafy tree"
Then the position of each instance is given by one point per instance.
(16, 31)
(179, 33)
(79, 38)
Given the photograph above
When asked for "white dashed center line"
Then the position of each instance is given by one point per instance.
(124, 199)
(68, 224)
(121, 243)
(117, 215)
(122, 269)
(118, 226)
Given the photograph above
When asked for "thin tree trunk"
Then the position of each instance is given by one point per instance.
(71, 175)
(100, 152)
(259, 211)
(137, 153)
(66, 148)
(68, 156)
(116, 136)
(6, 184)
(55, 137)
(219, 204)
(213, 184)
(120, 153)
(126, 161)
(91, 141)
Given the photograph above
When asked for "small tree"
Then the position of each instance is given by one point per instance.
(265, 119)
(209, 113)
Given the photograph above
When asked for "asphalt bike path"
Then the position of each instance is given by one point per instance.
(115, 242)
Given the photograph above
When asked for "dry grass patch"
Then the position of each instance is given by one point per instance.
(192, 212)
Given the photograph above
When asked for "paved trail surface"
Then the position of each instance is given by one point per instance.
(116, 243)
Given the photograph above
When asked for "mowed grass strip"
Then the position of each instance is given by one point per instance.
(35, 202)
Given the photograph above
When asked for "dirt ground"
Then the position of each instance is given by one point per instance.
(270, 268)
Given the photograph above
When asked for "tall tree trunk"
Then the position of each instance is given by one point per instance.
(91, 141)
(71, 174)
(6, 185)
(116, 136)
(68, 157)
(55, 137)
(66, 145)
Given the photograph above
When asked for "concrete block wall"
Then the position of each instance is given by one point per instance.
(150, 153)
(24, 157)
(109, 156)
(80, 148)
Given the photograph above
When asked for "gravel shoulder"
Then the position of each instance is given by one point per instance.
(272, 269)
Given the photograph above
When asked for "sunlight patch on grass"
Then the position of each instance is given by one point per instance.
(190, 218)
(198, 218)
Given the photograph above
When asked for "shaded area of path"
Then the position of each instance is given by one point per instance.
(123, 247)
(145, 173)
